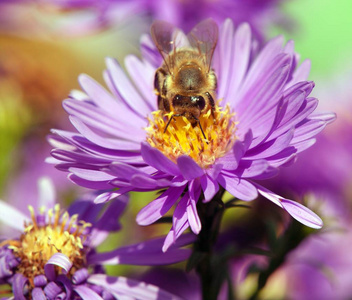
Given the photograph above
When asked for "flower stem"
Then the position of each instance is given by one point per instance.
(202, 258)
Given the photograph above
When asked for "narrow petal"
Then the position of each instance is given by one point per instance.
(241, 189)
(302, 214)
(98, 94)
(159, 207)
(12, 217)
(296, 210)
(192, 213)
(242, 52)
(126, 89)
(18, 284)
(97, 118)
(142, 254)
(308, 130)
(121, 286)
(106, 142)
(269, 195)
(301, 73)
(158, 160)
(224, 53)
(143, 74)
(86, 293)
(272, 147)
(97, 185)
(210, 187)
(38, 294)
(107, 196)
(249, 169)
(189, 168)
(60, 260)
(47, 194)
(89, 174)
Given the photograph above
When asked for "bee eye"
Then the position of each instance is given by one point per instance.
(200, 102)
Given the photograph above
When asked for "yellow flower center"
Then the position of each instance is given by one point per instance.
(38, 243)
(181, 138)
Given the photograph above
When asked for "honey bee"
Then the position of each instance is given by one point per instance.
(185, 83)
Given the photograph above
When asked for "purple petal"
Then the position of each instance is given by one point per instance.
(143, 181)
(92, 175)
(272, 147)
(210, 187)
(224, 53)
(80, 276)
(241, 56)
(40, 281)
(192, 214)
(126, 89)
(143, 74)
(121, 286)
(180, 218)
(52, 289)
(158, 160)
(47, 194)
(149, 51)
(67, 284)
(301, 73)
(97, 118)
(327, 117)
(189, 168)
(296, 210)
(145, 253)
(160, 206)
(309, 129)
(302, 214)
(301, 146)
(12, 217)
(97, 185)
(249, 169)
(242, 145)
(101, 140)
(108, 221)
(97, 93)
(38, 294)
(241, 189)
(19, 281)
(263, 96)
(105, 197)
(86, 293)
(59, 260)
(269, 195)
(124, 171)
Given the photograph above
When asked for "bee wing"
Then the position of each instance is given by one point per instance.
(204, 37)
(164, 36)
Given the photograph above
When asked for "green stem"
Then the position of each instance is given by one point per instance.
(210, 215)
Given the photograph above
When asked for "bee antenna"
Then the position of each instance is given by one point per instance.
(168, 123)
(201, 129)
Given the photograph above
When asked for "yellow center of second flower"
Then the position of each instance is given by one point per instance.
(38, 243)
(181, 138)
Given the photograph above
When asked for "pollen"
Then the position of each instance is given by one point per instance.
(181, 138)
(60, 234)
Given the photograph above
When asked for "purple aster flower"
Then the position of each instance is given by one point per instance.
(55, 257)
(263, 118)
